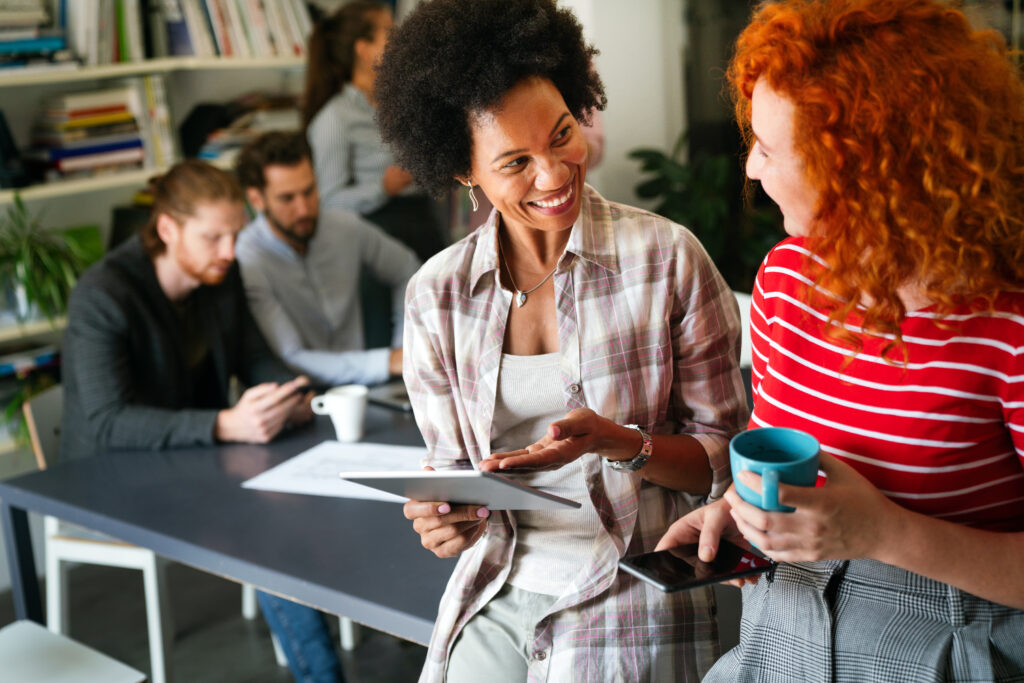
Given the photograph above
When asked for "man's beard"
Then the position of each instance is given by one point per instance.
(204, 275)
(290, 232)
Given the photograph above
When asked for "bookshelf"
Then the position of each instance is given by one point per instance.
(188, 81)
(206, 69)
(148, 67)
(31, 330)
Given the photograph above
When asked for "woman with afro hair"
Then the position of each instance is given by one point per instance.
(590, 347)
(890, 326)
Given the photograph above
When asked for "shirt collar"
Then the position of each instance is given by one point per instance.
(266, 238)
(591, 239)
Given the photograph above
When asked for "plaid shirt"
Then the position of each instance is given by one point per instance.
(648, 334)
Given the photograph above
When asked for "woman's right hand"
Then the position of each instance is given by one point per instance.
(447, 530)
(705, 526)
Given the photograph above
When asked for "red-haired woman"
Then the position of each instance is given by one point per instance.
(891, 327)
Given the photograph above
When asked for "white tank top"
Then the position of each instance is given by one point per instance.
(552, 545)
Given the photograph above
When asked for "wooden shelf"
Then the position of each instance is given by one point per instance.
(63, 188)
(34, 328)
(151, 66)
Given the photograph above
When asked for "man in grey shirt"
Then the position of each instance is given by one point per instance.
(301, 268)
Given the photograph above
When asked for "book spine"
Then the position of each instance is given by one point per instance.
(133, 26)
(237, 28)
(94, 121)
(105, 32)
(57, 153)
(122, 32)
(259, 32)
(294, 31)
(283, 46)
(155, 140)
(41, 44)
(305, 21)
(162, 120)
(220, 30)
(123, 156)
(111, 97)
(179, 41)
(201, 38)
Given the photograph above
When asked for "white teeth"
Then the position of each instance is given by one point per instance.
(552, 203)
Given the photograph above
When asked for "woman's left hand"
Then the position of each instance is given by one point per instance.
(581, 431)
(844, 519)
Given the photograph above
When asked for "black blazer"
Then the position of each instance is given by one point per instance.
(123, 363)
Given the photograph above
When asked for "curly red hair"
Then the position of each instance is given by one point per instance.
(911, 125)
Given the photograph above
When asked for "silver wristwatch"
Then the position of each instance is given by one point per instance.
(641, 458)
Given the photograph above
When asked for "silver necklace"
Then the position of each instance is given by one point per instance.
(520, 294)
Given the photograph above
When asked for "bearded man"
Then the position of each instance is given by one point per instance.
(301, 268)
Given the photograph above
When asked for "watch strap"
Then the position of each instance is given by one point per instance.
(641, 458)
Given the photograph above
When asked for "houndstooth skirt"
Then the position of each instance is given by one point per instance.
(862, 621)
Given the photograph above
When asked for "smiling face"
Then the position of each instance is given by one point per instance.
(203, 245)
(530, 158)
(775, 163)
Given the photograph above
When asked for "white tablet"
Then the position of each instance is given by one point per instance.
(470, 487)
(391, 395)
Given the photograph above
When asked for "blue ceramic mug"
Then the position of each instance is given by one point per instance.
(777, 454)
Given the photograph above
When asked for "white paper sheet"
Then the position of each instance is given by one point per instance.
(315, 471)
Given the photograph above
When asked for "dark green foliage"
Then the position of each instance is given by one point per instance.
(44, 263)
(705, 195)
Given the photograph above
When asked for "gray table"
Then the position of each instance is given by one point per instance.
(356, 558)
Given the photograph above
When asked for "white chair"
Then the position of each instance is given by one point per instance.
(65, 543)
(31, 654)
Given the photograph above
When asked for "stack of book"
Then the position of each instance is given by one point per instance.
(30, 39)
(117, 129)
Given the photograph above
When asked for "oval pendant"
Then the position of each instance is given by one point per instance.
(520, 299)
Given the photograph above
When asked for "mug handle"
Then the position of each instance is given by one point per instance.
(770, 490)
(317, 404)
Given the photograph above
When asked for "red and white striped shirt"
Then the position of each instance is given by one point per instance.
(942, 434)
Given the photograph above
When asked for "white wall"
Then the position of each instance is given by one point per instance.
(641, 64)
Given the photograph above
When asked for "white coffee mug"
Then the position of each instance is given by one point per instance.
(346, 406)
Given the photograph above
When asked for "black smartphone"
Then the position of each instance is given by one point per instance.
(679, 568)
(304, 388)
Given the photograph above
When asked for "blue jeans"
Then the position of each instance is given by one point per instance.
(305, 639)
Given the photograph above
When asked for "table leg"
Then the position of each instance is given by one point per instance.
(22, 564)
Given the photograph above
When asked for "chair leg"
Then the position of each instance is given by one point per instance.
(348, 632)
(57, 613)
(158, 619)
(278, 652)
(250, 608)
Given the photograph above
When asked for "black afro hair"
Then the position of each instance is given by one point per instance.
(451, 58)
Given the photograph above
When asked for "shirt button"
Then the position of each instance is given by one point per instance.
(540, 655)
(574, 388)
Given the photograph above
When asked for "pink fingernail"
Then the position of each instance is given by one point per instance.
(444, 508)
(483, 512)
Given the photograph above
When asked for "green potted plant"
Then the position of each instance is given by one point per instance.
(37, 265)
(38, 269)
(705, 195)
